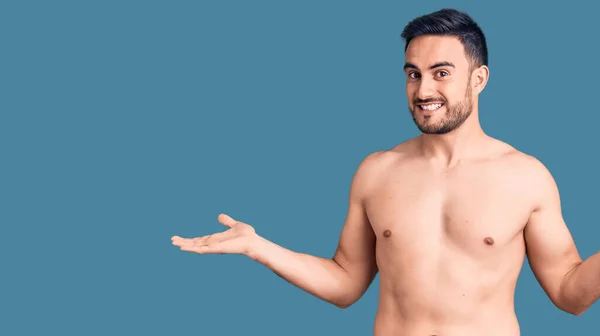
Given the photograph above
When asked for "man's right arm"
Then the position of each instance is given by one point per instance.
(344, 278)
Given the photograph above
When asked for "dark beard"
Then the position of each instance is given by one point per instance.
(454, 118)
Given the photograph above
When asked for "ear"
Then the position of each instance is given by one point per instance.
(479, 78)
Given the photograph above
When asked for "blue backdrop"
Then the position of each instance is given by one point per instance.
(123, 123)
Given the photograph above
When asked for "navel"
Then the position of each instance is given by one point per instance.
(488, 241)
(387, 233)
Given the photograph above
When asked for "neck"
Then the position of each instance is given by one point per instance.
(452, 147)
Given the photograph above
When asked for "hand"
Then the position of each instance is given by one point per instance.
(238, 239)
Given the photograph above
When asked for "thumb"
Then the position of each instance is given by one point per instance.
(226, 220)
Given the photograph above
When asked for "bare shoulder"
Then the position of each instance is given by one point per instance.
(375, 165)
(530, 172)
(384, 158)
(539, 181)
(526, 165)
(504, 153)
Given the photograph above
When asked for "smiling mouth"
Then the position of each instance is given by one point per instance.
(430, 107)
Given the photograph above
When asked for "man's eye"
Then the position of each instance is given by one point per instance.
(413, 75)
(442, 73)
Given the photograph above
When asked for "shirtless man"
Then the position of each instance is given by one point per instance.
(445, 218)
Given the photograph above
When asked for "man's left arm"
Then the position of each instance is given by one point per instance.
(571, 284)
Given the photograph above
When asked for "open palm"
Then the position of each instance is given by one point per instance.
(236, 240)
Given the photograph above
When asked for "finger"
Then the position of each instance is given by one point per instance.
(196, 246)
(213, 247)
(200, 245)
(199, 241)
(178, 241)
(211, 239)
(189, 242)
(226, 220)
(176, 238)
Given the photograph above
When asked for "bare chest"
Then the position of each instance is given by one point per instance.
(472, 212)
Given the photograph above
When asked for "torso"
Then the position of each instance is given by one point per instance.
(449, 244)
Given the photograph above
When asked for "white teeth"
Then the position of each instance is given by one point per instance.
(431, 107)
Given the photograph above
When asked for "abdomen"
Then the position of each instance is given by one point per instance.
(446, 288)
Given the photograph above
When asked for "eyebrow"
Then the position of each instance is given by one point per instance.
(436, 65)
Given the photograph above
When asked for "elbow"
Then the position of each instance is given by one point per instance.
(574, 307)
(348, 291)
(574, 302)
(343, 303)
(344, 295)
(576, 311)
(570, 310)
(572, 298)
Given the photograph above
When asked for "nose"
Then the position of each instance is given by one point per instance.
(426, 88)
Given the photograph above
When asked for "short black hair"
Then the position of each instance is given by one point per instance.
(450, 22)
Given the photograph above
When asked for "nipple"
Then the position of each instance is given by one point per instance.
(387, 233)
(488, 241)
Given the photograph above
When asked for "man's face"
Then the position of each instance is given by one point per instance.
(438, 85)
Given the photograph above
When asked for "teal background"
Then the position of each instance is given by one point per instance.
(123, 123)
